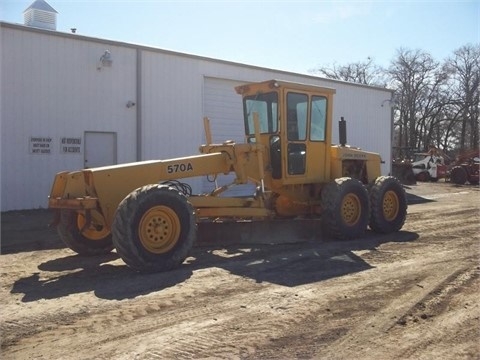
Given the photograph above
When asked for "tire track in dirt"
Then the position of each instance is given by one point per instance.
(237, 295)
(451, 220)
(437, 300)
(342, 299)
(223, 299)
(271, 313)
(437, 303)
(452, 312)
(351, 336)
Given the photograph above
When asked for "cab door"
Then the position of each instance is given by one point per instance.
(318, 166)
(305, 148)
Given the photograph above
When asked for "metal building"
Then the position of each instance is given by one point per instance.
(69, 101)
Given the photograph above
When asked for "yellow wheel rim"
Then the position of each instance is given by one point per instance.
(93, 231)
(351, 209)
(391, 205)
(159, 229)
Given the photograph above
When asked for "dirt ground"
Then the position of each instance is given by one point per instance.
(409, 295)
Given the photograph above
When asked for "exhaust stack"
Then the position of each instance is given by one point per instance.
(342, 131)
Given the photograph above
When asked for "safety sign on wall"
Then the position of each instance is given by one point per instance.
(70, 145)
(40, 145)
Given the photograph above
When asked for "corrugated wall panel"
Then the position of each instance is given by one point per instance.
(172, 124)
(368, 122)
(223, 106)
(51, 88)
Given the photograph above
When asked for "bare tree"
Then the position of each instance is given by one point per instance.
(436, 104)
(419, 82)
(365, 72)
(465, 67)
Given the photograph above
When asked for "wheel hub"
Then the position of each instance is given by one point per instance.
(159, 229)
(351, 209)
(91, 231)
(391, 205)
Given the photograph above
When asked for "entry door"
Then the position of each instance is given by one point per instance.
(306, 141)
(100, 149)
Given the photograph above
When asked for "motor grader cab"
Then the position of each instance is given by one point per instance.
(149, 216)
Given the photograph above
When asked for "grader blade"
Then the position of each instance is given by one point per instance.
(260, 232)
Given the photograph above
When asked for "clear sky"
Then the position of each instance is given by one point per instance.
(287, 35)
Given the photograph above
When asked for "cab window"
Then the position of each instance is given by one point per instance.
(319, 116)
(297, 106)
(266, 106)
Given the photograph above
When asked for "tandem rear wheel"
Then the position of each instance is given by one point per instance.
(388, 205)
(345, 208)
(348, 208)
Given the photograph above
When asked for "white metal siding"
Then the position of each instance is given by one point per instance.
(368, 123)
(223, 106)
(172, 124)
(50, 87)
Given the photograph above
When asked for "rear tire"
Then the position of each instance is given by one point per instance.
(345, 208)
(458, 175)
(91, 241)
(389, 205)
(154, 228)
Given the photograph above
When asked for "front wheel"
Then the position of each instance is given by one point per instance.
(154, 228)
(82, 236)
(345, 208)
(389, 205)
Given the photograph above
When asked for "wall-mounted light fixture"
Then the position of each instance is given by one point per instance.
(105, 60)
(392, 101)
(389, 101)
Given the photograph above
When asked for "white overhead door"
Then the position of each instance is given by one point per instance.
(223, 106)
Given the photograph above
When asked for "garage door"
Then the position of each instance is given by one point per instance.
(223, 106)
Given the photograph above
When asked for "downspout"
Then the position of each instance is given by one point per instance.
(139, 106)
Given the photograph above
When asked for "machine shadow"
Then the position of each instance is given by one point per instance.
(78, 274)
(297, 263)
(283, 264)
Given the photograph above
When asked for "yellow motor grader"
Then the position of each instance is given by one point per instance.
(143, 210)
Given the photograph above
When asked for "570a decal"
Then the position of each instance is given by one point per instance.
(175, 168)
